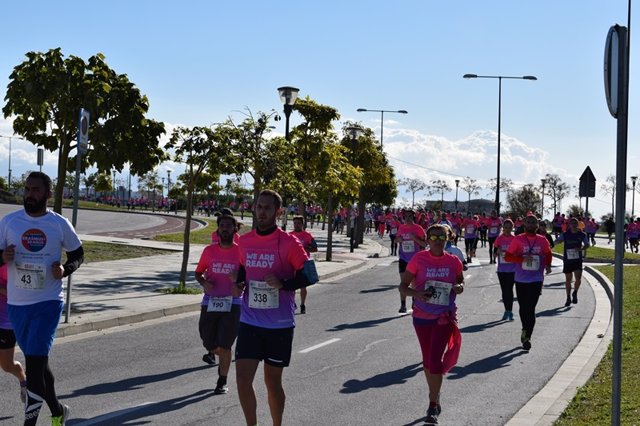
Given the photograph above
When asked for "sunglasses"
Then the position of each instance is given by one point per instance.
(438, 237)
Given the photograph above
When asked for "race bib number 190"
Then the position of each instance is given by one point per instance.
(219, 304)
(262, 296)
(30, 276)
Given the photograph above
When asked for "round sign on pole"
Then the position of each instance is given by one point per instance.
(83, 130)
(611, 68)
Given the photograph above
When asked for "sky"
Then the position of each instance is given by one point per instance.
(200, 62)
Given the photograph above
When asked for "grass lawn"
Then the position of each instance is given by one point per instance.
(200, 236)
(98, 252)
(592, 404)
(599, 253)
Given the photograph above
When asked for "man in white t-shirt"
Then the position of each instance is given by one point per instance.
(32, 241)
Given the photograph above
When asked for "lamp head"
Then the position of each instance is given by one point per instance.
(470, 76)
(288, 94)
(529, 77)
(362, 110)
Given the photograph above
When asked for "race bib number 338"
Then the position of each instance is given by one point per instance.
(262, 296)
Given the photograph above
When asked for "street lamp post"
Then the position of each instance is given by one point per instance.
(382, 111)
(499, 78)
(457, 184)
(115, 190)
(168, 188)
(288, 96)
(633, 195)
(543, 181)
(354, 132)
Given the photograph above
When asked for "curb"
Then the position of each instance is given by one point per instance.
(550, 402)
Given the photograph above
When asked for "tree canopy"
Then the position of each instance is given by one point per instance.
(45, 94)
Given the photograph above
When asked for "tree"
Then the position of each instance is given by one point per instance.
(46, 92)
(89, 182)
(103, 183)
(200, 148)
(524, 200)
(150, 183)
(440, 186)
(413, 185)
(609, 187)
(575, 210)
(556, 189)
(469, 186)
(3, 184)
(506, 184)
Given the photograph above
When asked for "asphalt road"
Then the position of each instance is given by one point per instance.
(355, 362)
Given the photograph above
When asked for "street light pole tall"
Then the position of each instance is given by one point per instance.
(457, 184)
(288, 96)
(543, 181)
(382, 111)
(633, 195)
(354, 132)
(499, 78)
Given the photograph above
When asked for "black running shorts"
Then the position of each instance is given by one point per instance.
(7, 339)
(273, 345)
(572, 266)
(219, 329)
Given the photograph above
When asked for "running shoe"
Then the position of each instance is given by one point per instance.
(221, 389)
(23, 392)
(209, 358)
(510, 315)
(61, 420)
(432, 415)
(403, 309)
(505, 316)
(568, 302)
(526, 340)
(303, 309)
(574, 298)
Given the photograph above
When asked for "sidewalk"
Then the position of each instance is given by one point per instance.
(110, 294)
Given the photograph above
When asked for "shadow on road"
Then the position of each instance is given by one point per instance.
(379, 289)
(363, 324)
(554, 312)
(481, 327)
(128, 416)
(131, 383)
(395, 377)
(487, 365)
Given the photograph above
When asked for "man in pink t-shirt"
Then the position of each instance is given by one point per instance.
(220, 311)
(275, 265)
(411, 238)
(310, 246)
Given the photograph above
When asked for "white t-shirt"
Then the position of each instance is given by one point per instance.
(39, 242)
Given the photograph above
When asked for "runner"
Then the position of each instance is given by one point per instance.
(411, 238)
(393, 226)
(32, 240)
(633, 233)
(471, 227)
(505, 270)
(532, 255)
(220, 311)
(493, 230)
(8, 339)
(575, 242)
(275, 265)
(310, 246)
(591, 227)
(437, 280)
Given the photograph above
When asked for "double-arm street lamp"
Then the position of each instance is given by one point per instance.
(288, 96)
(457, 181)
(499, 78)
(382, 111)
(544, 182)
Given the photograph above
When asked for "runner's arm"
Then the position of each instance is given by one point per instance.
(75, 258)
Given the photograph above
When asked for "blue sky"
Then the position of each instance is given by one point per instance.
(202, 61)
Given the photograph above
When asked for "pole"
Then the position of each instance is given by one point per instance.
(9, 177)
(621, 183)
(74, 220)
(381, 127)
(633, 198)
(497, 207)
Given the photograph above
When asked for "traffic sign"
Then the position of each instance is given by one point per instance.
(587, 186)
(83, 130)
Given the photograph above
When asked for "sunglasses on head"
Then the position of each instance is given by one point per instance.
(438, 237)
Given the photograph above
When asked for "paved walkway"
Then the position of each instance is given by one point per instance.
(109, 294)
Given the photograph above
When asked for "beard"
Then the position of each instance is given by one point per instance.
(31, 205)
(226, 239)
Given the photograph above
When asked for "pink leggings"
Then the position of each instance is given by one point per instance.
(433, 342)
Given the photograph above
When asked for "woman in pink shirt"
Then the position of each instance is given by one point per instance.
(434, 278)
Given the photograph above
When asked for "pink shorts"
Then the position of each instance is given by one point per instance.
(433, 343)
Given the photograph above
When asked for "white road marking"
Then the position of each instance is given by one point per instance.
(109, 416)
(319, 345)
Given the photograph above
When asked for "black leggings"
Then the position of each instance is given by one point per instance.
(528, 295)
(40, 386)
(506, 285)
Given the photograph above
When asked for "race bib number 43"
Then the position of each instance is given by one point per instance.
(30, 276)
(262, 296)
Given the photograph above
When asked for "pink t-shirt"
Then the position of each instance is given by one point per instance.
(470, 228)
(442, 273)
(280, 254)
(493, 226)
(305, 238)
(4, 316)
(408, 247)
(502, 243)
(216, 263)
(531, 254)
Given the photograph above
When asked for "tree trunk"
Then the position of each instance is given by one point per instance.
(329, 217)
(187, 233)
(360, 221)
